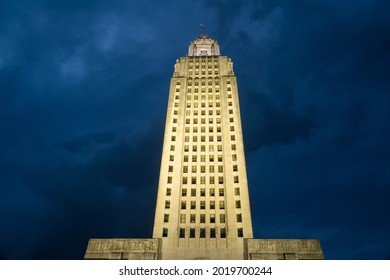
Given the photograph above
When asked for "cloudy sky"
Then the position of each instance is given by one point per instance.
(83, 95)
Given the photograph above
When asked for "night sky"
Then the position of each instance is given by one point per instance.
(83, 96)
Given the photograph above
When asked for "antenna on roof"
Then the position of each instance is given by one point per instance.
(202, 27)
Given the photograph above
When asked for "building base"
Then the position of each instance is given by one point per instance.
(254, 249)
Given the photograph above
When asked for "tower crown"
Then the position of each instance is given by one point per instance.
(203, 46)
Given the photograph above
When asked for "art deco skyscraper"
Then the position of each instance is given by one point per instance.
(203, 207)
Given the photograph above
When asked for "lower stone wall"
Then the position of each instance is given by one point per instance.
(123, 249)
(283, 249)
(254, 249)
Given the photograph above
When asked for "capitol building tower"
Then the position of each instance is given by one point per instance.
(203, 207)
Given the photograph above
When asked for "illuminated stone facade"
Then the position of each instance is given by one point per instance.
(202, 209)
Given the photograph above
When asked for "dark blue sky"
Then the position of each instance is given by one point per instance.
(83, 95)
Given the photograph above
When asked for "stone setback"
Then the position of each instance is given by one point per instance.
(116, 248)
(283, 249)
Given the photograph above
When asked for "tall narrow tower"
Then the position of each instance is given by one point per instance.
(202, 206)
(202, 209)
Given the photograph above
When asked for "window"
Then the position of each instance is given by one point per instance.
(221, 192)
(175, 112)
(220, 158)
(234, 157)
(238, 204)
(192, 218)
(232, 128)
(165, 232)
(212, 218)
(186, 139)
(182, 233)
(237, 191)
(193, 180)
(182, 218)
(220, 168)
(202, 233)
(219, 138)
(222, 218)
(192, 233)
(235, 167)
(166, 218)
(212, 233)
(194, 158)
(174, 129)
(193, 204)
(203, 147)
(172, 148)
(185, 158)
(185, 169)
(211, 168)
(212, 204)
(193, 169)
(171, 158)
(211, 158)
(220, 180)
(202, 204)
(184, 205)
(176, 104)
(236, 179)
(240, 232)
(222, 204)
(193, 192)
(222, 233)
(167, 204)
(202, 158)
(202, 169)
(203, 192)
(212, 192)
(233, 147)
(184, 180)
(211, 148)
(211, 180)
(184, 192)
(211, 138)
(169, 191)
(170, 168)
(239, 218)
